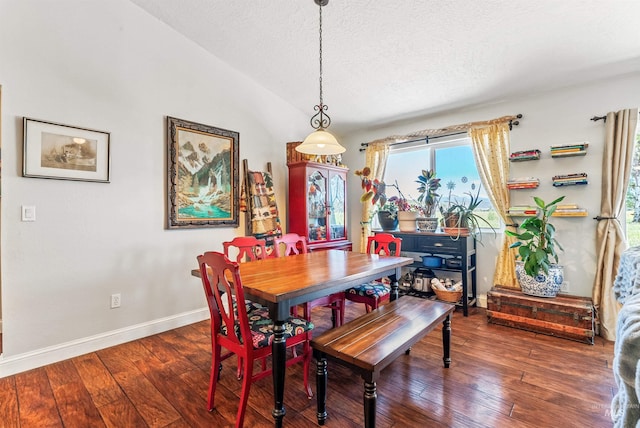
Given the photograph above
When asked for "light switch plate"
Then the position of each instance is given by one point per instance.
(28, 213)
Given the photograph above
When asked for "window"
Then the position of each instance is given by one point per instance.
(633, 198)
(455, 166)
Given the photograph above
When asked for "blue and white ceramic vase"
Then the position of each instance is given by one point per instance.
(541, 285)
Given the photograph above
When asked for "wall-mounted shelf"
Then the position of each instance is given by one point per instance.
(522, 211)
(523, 183)
(569, 210)
(577, 149)
(525, 155)
(570, 179)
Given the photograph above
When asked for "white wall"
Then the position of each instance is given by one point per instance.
(552, 118)
(110, 66)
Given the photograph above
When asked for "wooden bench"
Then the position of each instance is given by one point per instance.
(371, 342)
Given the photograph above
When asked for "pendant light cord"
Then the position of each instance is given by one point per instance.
(321, 103)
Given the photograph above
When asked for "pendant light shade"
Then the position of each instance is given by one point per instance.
(320, 142)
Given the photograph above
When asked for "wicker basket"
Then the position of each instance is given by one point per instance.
(448, 296)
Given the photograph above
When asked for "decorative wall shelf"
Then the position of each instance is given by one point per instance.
(523, 183)
(525, 155)
(577, 149)
(570, 179)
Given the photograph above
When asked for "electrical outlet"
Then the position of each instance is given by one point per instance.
(115, 300)
(564, 288)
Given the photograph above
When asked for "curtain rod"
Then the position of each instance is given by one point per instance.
(455, 130)
(597, 118)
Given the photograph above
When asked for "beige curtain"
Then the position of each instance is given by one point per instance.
(610, 240)
(491, 149)
(376, 156)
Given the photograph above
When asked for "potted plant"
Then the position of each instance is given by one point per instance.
(394, 211)
(536, 268)
(459, 217)
(375, 191)
(428, 189)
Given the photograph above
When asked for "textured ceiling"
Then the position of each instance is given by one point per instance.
(385, 61)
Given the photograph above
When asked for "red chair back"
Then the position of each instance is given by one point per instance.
(293, 244)
(248, 247)
(221, 282)
(380, 243)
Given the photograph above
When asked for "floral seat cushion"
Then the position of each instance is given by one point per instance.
(262, 327)
(371, 289)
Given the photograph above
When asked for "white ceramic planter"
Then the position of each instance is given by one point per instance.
(541, 285)
(407, 221)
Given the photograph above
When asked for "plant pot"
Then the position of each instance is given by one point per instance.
(427, 224)
(388, 220)
(407, 221)
(541, 285)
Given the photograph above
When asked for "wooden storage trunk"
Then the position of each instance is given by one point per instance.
(569, 317)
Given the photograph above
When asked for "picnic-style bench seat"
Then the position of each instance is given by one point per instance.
(371, 342)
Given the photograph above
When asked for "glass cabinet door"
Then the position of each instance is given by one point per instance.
(337, 207)
(317, 206)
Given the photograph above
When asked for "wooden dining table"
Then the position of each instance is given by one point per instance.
(282, 282)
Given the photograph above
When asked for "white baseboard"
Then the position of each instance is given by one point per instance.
(41, 357)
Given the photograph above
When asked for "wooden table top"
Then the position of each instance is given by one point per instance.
(304, 277)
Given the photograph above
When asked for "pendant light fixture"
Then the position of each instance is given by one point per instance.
(320, 142)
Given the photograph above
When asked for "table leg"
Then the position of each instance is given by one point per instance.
(446, 340)
(370, 397)
(394, 285)
(279, 354)
(321, 387)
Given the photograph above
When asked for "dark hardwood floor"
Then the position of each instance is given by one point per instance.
(499, 377)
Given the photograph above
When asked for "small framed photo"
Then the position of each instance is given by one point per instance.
(203, 175)
(63, 152)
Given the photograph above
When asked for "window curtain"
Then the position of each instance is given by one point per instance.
(491, 150)
(610, 240)
(376, 156)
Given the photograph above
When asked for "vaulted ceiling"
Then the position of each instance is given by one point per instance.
(386, 61)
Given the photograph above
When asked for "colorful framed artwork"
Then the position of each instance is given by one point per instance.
(63, 152)
(203, 175)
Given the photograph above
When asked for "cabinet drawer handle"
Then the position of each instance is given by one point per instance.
(437, 244)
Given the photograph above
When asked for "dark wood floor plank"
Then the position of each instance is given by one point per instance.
(121, 413)
(154, 407)
(36, 402)
(101, 385)
(74, 402)
(9, 403)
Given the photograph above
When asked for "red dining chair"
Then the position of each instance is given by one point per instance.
(292, 243)
(373, 293)
(247, 335)
(248, 248)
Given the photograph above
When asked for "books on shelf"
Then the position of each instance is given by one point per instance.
(569, 210)
(576, 149)
(523, 183)
(525, 155)
(570, 179)
(522, 210)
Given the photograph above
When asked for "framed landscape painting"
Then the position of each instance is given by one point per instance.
(203, 175)
(64, 152)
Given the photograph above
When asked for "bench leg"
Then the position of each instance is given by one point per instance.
(321, 387)
(446, 340)
(370, 397)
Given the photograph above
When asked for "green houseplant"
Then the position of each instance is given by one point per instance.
(428, 186)
(537, 270)
(459, 217)
(428, 189)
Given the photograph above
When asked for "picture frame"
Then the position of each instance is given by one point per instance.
(65, 152)
(203, 175)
